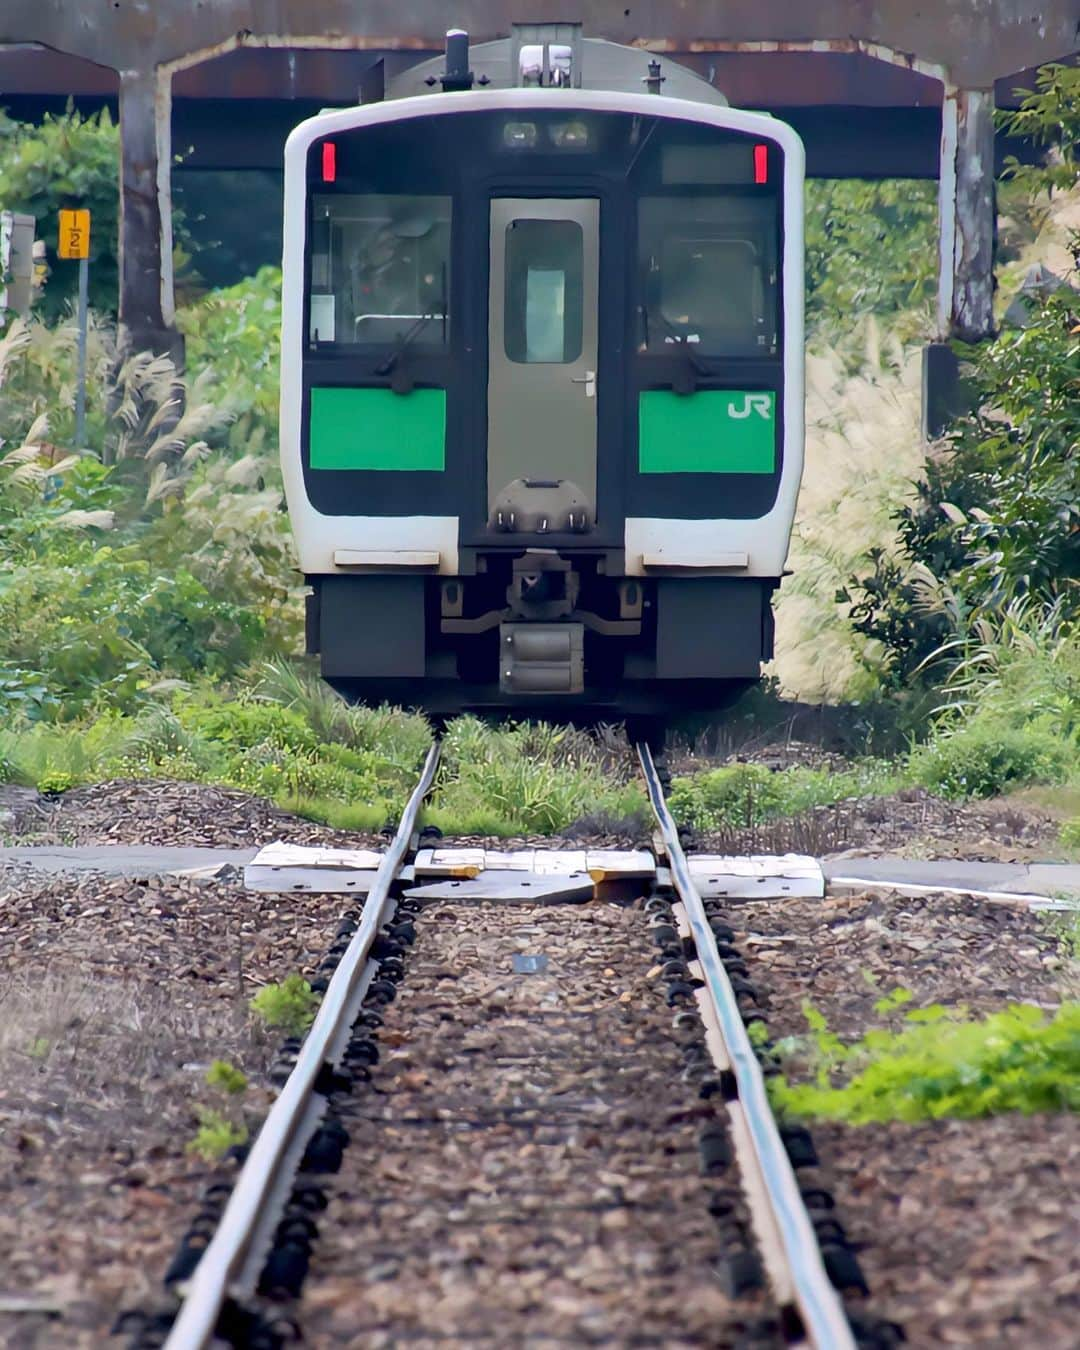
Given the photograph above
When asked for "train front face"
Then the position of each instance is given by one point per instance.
(542, 406)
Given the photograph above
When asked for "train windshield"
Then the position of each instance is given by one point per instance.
(379, 269)
(708, 273)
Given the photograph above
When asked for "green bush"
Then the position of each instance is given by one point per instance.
(984, 759)
(738, 795)
(530, 778)
(66, 161)
(289, 1006)
(870, 248)
(236, 334)
(216, 1134)
(940, 1064)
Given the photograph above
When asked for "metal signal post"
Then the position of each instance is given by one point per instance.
(74, 242)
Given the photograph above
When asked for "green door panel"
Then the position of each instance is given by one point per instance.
(711, 431)
(378, 429)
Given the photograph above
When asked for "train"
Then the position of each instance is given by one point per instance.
(542, 382)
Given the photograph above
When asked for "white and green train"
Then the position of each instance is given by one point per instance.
(542, 382)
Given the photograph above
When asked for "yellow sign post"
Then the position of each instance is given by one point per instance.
(74, 242)
(74, 234)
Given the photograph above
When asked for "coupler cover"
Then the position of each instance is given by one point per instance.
(541, 658)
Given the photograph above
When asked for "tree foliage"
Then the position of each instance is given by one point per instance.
(996, 518)
(870, 248)
(67, 161)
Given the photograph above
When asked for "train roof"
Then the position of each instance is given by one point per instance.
(596, 64)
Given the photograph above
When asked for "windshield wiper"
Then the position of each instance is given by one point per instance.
(392, 363)
(693, 363)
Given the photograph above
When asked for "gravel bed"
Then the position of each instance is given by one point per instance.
(912, 824)
(524, 1170)
(169, 812)
(966, 1229)
(116, 996)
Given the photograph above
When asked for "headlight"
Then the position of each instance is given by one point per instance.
(519, 135)
(570, 135)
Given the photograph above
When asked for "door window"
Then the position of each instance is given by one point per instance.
(542, 316)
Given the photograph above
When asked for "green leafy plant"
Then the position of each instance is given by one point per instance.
(66, 161)
(216, 1135)
(750, 794)
(289, 1005)
(981, 758)
(941, 1063)
(231, 1080)
(870, 247)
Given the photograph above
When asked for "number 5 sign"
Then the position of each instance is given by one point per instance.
(74, 234)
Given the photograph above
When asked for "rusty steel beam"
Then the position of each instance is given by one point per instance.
(973, 41)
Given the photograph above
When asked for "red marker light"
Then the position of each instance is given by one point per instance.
(329, 161)
(761, 163)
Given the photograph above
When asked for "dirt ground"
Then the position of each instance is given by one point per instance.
(115, 997)
(968, 1230)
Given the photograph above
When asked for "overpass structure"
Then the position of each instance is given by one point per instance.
(876, 87)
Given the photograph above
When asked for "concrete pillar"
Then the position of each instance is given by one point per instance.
(966, 215)
(146, 282)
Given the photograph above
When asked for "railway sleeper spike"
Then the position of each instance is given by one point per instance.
(875, 1333)
(817, 1198)
(674, 969)
(680, 991)
(325, 1149)
(741, 1273)
(685, 1020)
(722, 932)
(295, 1227)
(799, 1143)
(714, 1147)
(380, 993)
(362, 1050)
(186, 1257)
(390, 968)
(404, 932)
(346, 927)
(308, 1198)
(735, 965)
(763, 1333)
(842, 1267)
(284, 1273)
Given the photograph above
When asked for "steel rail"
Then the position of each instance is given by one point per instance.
(231, 1251)
(819, 1316)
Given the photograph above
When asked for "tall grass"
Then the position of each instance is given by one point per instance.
(864, 448)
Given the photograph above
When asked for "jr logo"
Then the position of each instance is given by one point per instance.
(752, 403)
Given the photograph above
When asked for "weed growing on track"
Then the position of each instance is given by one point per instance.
(941, 1063)
(216, 1134)
(288, 1006)
(740, 795)
(533, 778)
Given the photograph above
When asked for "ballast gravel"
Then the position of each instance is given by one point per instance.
(115, 997)
(967, 1230)
(523, 1169)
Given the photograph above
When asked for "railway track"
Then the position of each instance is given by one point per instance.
(710, 1141)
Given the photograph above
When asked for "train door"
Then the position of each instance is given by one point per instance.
(542, 343)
